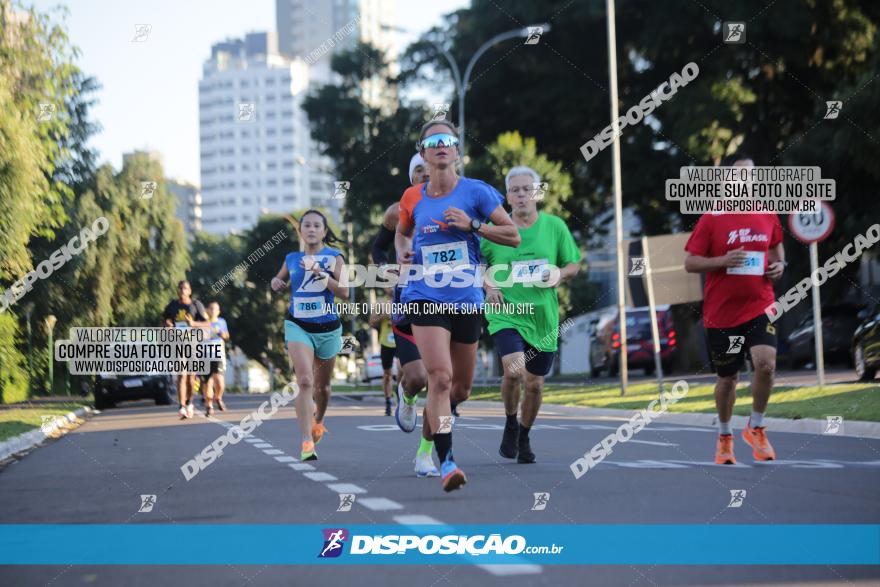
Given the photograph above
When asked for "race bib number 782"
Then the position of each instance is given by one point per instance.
(451, 254)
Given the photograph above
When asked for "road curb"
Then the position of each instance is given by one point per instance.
(850, 428)
(28, 440)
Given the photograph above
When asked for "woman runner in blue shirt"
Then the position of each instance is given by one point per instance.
(312, 329)
(438, 235)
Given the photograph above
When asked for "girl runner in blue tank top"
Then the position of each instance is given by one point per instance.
(440, 227)
(312, 329)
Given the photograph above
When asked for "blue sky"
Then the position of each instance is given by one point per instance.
(149, 98)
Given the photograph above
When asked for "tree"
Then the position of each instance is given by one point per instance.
(370, 144)
(128, 274)
(762, 95)
(510, 150)
(39, 89)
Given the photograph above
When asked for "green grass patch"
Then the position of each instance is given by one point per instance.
(853, 401)
(20, 419)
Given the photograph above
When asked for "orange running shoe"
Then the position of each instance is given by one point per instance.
(318, 431)
(724, 450)
(757, 439)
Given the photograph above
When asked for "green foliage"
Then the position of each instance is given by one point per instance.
(13, 365)
(40, 147)
(510, 150)
(124, 278)
(764, 95)
(35, 69)
(370, 144)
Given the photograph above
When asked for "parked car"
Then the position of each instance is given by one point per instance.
(110, 389)
(838, 325)
(605, 342)
(372, 368)
(866, 344)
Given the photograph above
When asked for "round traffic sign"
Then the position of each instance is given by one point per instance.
(812, 228)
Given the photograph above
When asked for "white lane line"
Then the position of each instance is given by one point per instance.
(649, 464)
(499, 570)
(507, 570)
(384, 504)
(273, 451)
(379, 504)
(320, 476)
(416, 520)
(301, 467)
(346, 488)
(654, 443)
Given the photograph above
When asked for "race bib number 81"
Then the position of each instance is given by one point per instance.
(753, 265)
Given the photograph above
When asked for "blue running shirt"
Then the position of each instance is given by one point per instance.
(439, 247)
(310, 299)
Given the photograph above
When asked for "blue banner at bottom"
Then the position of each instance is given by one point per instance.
(153, 544)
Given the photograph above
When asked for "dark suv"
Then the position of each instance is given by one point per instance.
(866, 344)
(111, 389)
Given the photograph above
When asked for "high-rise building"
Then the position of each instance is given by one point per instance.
(256, 152)
(151, 155)
(189, 205)
(305, 26)
(313, 31)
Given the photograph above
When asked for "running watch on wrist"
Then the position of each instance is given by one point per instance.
(475, 225)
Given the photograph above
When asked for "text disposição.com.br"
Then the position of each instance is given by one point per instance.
(448, 544)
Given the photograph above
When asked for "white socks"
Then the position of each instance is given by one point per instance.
(756, 420)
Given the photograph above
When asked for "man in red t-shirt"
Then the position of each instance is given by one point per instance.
(742, 256)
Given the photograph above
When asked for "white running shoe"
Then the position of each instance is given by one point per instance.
(425, 465)
(405, 414)
(190, 410)
(182, 413)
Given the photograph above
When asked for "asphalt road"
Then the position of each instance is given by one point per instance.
(97, 474)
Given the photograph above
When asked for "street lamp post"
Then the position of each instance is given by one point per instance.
(28, 310)
(461, 84)
(618, 198)
(51, 320)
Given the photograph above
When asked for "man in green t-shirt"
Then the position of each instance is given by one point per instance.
(527, 275)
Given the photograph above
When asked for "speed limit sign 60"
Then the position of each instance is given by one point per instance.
(812, 228)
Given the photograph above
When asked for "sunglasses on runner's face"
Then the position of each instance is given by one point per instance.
(439, 140)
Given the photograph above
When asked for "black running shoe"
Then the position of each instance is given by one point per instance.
(508, 442)
(387, 408)
(524, 449)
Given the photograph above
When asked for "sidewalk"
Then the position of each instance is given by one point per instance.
(849, 428)
(54, 428)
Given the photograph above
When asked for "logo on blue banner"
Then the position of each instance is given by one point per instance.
(334, 541)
